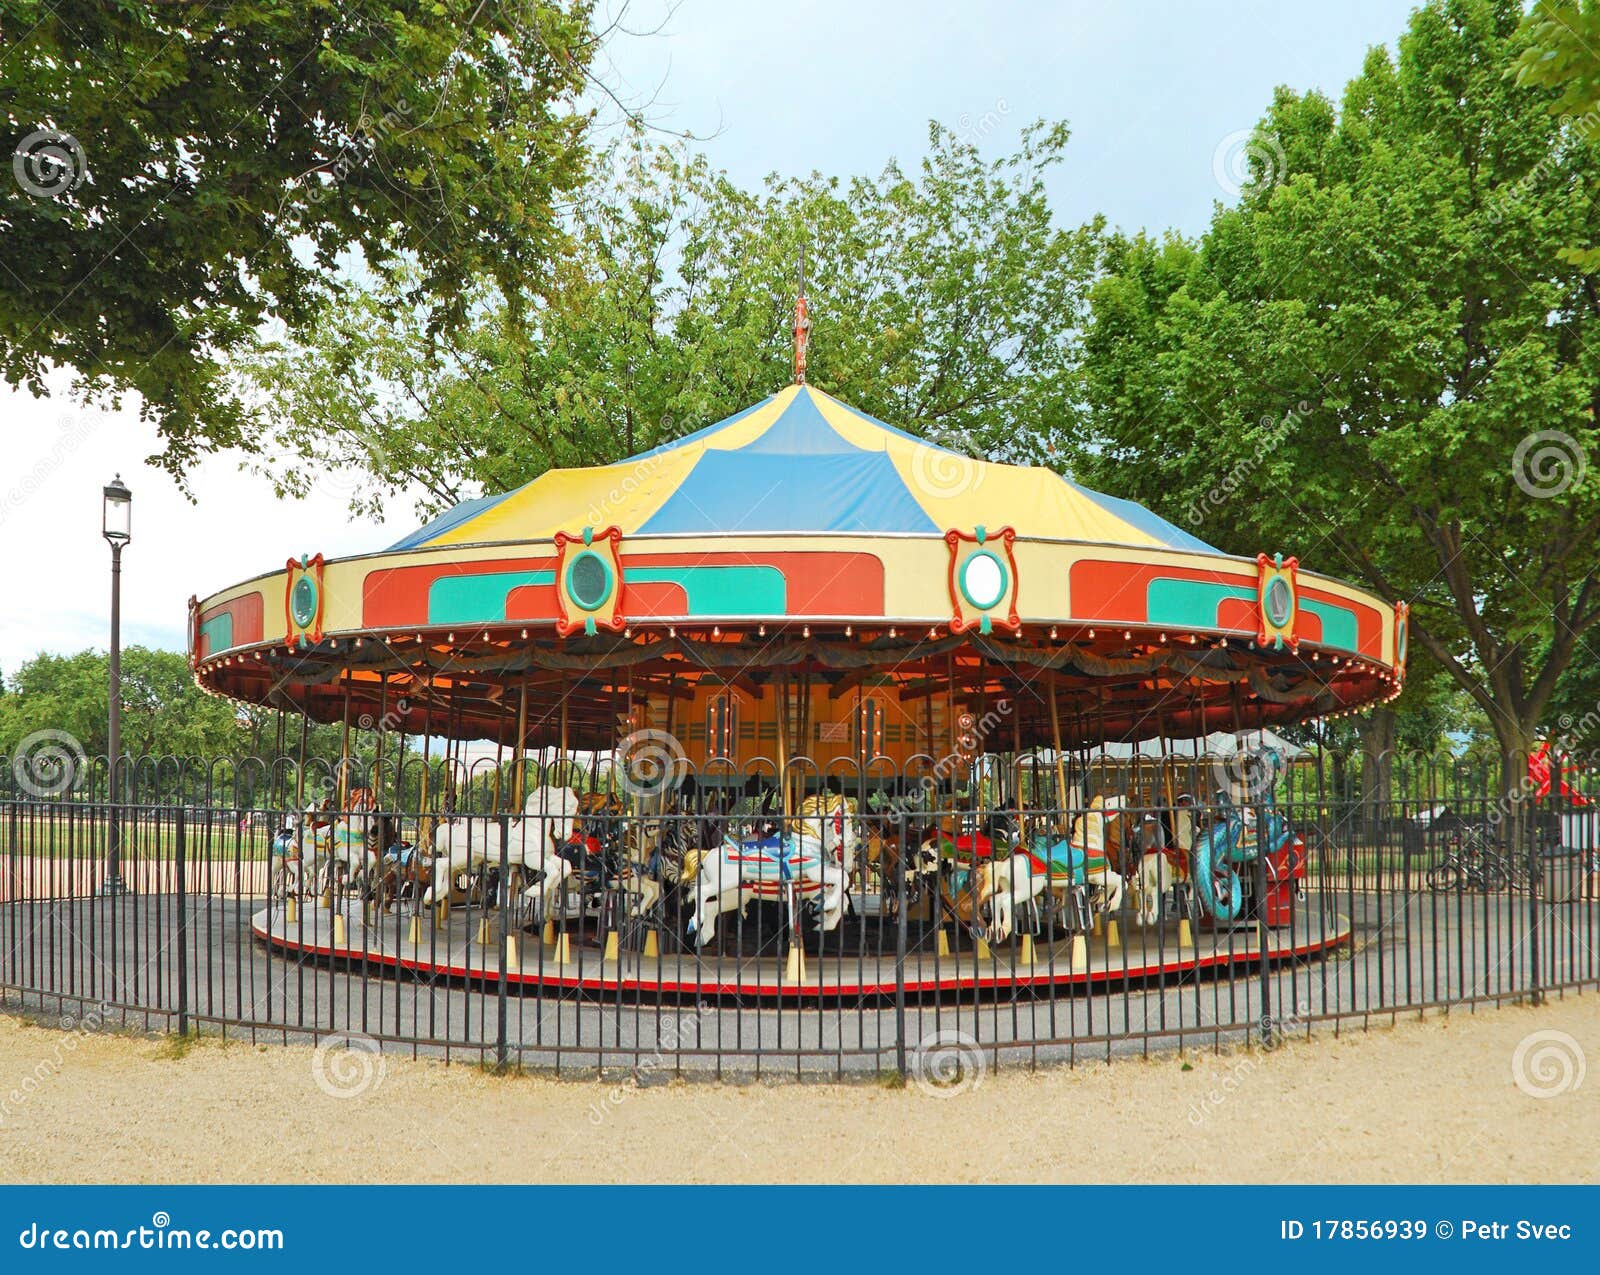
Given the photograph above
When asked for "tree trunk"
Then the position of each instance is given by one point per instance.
(1377, 729)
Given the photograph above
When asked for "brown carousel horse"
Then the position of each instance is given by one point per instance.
(897, 850)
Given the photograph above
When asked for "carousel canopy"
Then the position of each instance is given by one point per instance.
(801, 553)
(802, 461)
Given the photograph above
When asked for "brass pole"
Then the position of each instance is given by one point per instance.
(522, 743)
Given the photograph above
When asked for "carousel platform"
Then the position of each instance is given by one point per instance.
(583, 962)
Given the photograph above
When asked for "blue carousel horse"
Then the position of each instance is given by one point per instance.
(1235, 840)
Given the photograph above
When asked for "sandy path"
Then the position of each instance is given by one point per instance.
(1426, 1101)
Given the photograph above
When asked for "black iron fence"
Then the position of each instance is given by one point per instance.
(860, 925)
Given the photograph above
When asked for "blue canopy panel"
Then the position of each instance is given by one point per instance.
(730, 492)
(1137, 515)
(800, 430)
(449, 520)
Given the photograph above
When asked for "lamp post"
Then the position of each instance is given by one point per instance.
(117, 528)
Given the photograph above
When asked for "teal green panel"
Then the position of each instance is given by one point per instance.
(1338, 623)
(741, 590)
(1189, 603)
(218, 632)
(479, 599)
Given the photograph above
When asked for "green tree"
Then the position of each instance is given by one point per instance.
(163, 711)
(1563, 54)
(1380, 360)
(188, 173)
(943, 300)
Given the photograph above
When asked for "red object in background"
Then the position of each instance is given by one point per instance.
(1286, 866)
(1539, 776)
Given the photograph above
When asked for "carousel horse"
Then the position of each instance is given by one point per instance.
(1085, 857)
(597, 849)
(285, 874)
(337, 850)
(463, 845)
(804, 867)
(824, 807)
(989, 877)
(886, 842)
(1234, 840)
(404, 871)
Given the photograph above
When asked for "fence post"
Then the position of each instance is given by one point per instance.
(502, 1057)
(1263, 934)
(1534, 860)
(900, 953)
(182, 896)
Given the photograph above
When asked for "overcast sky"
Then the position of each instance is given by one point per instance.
(1158, 97)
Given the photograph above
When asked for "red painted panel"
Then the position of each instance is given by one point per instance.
(247, 618)
(1238, 613)
(1117, 591)
(247, 611)
(533, 602)
(1369, 622)
(397, 597)
(652, 598)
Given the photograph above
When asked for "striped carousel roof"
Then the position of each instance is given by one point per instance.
(802, 461)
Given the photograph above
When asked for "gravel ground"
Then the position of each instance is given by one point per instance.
(1443, 1098)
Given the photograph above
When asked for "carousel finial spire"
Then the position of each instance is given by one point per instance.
(802, 324)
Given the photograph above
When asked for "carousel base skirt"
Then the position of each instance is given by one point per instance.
(580, 963)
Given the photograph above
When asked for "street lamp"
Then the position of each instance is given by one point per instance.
(116, 526)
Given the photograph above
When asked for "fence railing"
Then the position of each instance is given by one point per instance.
(892, 930)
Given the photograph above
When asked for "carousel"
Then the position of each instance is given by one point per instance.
(797, 705)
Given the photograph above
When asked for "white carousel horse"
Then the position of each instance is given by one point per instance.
(738, 871)
(1161, 865)
(326, 848)
(287, 873)
(545, 825)
(1083, 859)
(1005, 884)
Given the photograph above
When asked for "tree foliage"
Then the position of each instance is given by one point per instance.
(1380, 359)
(943, 300)
(195, 171)
(1563, 54)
